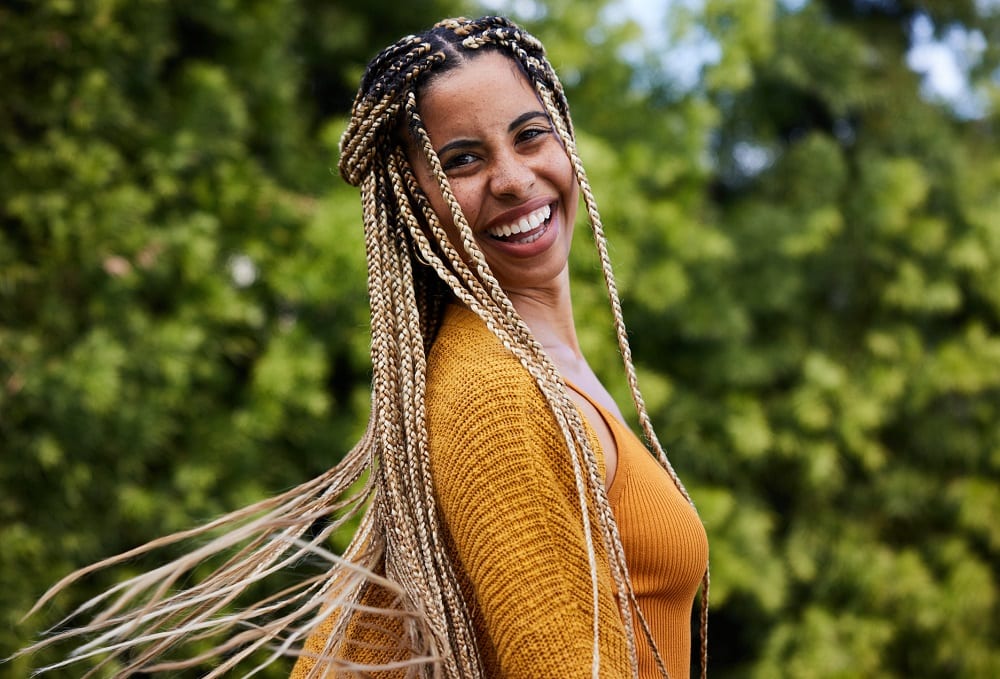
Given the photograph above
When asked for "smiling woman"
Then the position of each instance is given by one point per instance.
(512, 524)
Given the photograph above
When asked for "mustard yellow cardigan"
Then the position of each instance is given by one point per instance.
(508, 501)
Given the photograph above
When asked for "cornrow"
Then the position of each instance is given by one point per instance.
(413, 270)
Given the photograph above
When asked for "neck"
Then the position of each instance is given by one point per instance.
(549, 315)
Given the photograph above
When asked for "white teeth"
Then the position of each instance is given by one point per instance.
(526, 223)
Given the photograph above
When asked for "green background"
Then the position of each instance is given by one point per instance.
(807, 242)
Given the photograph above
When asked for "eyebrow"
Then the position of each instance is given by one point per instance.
(525, 117)
(517, 122)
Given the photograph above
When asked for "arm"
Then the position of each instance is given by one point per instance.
(507, 498)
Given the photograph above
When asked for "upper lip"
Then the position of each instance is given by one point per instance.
(515, 214)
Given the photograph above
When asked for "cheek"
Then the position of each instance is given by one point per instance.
(466, 201)
(440, 207)
(465, 193)
(438, 203)
(569, 175)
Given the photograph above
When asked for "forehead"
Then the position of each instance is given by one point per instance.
(485, 91)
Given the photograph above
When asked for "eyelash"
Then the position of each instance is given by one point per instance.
(533, 133)
(453, 162)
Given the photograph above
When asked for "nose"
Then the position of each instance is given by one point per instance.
(511, 176)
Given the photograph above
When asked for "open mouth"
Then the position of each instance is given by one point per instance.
(527, 229)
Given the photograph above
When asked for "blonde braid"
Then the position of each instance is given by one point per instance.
(401, 345)
(416, 472)
(564, 127)
(461, 637)
(610, 534)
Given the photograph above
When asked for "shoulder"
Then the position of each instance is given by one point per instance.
(469, 367)
(479, 397)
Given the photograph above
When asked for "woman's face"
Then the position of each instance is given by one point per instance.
(506, 166)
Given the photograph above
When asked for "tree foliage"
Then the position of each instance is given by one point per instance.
(807, 246)
(812, 293)
(183, 324)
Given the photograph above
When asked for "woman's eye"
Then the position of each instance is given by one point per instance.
(458, 161)
(533, 133)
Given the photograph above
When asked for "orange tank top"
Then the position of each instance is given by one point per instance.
(666, 549)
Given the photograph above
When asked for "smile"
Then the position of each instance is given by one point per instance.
(527, 225)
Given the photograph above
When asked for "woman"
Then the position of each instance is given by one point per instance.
(512, 524)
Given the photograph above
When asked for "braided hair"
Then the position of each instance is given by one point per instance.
(414, 269)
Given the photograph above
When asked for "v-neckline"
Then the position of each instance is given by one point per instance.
(618, 430)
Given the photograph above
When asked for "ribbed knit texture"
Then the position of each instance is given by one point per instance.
(508, 504)
(665, 545)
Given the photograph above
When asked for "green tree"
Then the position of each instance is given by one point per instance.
(183, 324)
(820, 310)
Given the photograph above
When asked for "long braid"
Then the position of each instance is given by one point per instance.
(459, 626)
(399, 390)
(557, 107)
(405, 459)
(417, 476)
(515, 41)
(438, 582)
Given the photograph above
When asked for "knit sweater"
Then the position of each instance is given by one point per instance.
(511, 518)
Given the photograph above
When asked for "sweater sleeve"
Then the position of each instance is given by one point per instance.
(509, 505)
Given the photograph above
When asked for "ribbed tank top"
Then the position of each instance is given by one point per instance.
(666, 548)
